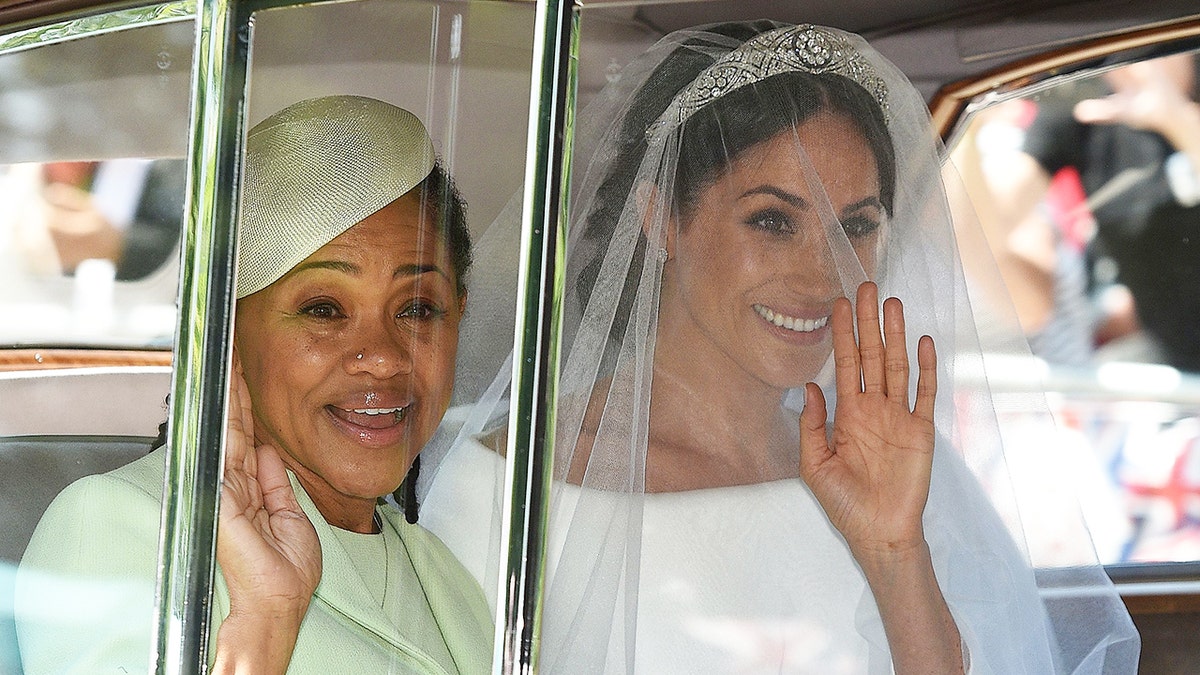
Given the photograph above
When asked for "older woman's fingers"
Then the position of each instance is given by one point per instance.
(870, 342)
(926, 379)
(239, 437)
(847, 372)
(896, 351)
(277, 491)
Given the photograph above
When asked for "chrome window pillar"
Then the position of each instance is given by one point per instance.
(530, 456)
(203, 340)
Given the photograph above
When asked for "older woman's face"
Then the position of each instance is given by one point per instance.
(752, 279)
(349, 358)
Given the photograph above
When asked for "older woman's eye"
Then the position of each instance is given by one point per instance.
(321, 310)
(859, 226)
(771, 220)
(420, 311)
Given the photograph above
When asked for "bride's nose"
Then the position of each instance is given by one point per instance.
(817, 264)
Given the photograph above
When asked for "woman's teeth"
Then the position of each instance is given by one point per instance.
(790, 322)
(398, 412)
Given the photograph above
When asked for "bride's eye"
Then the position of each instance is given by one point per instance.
(771, 220)
(859, 226)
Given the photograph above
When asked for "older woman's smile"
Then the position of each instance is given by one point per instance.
(370, 418)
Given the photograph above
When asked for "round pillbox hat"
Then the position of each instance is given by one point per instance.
(315, 169)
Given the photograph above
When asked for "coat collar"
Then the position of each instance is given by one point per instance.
(450, 591)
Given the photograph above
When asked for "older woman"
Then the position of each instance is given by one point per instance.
(750, 479)
(353, 254)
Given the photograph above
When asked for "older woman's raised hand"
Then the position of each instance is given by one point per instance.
(871, 473)
(267, 548)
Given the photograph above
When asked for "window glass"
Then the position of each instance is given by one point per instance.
(1089, 194)
(366, 287)
(461, 67)
(93, 129)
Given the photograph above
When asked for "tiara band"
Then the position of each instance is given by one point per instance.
(805, 48)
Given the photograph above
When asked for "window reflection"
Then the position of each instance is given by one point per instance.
(1089, 196)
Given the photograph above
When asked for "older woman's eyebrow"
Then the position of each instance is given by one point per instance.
(335, 265)
(793, 199)
(346, 267)
(416, 270)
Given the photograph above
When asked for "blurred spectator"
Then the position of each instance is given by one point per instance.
(1136, 152)
(128, 211)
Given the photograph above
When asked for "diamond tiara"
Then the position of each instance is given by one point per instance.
(805, 48)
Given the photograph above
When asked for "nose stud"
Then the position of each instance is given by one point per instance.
(359, 356)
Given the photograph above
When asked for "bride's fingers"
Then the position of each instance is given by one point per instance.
(814, 445)
(926, 379)
(896, 351)
(847, 372)
(870, 342)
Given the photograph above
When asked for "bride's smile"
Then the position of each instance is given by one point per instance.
(792, 323)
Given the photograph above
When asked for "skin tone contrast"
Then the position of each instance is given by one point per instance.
(343, 370)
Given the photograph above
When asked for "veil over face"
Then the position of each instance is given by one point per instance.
(732, 183)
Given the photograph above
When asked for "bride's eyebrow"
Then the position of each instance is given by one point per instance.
(864, 203)
(793, 199)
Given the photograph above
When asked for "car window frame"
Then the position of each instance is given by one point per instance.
(203, 344)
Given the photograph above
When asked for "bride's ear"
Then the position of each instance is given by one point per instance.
(658, 224)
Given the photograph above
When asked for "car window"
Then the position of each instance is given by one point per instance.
(93, 130)
(1087, 192)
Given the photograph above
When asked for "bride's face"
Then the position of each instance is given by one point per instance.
(752, 269)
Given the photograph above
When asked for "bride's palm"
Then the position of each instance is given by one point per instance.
(871, 473)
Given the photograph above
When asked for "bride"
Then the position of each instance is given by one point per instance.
(748, 478)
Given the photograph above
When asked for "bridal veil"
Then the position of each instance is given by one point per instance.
(747, 575)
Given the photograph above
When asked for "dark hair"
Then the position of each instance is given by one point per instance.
(439, 192)
(714, 137)
(719, 132)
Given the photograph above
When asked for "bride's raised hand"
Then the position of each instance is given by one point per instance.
(871, 472)
(267, 548)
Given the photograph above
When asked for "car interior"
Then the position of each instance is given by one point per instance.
(87, 350)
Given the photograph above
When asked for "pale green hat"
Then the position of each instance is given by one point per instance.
(315, 169)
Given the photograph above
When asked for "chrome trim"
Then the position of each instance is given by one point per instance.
(1144, 588)
(530, 455)
(97, 24)
(203, 342)
(952, 100)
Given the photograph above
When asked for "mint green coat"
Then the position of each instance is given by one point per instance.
(85, 591)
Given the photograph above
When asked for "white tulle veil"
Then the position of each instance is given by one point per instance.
(1013, 558)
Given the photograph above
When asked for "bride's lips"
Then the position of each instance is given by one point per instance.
(794, 326)
(373, 426)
